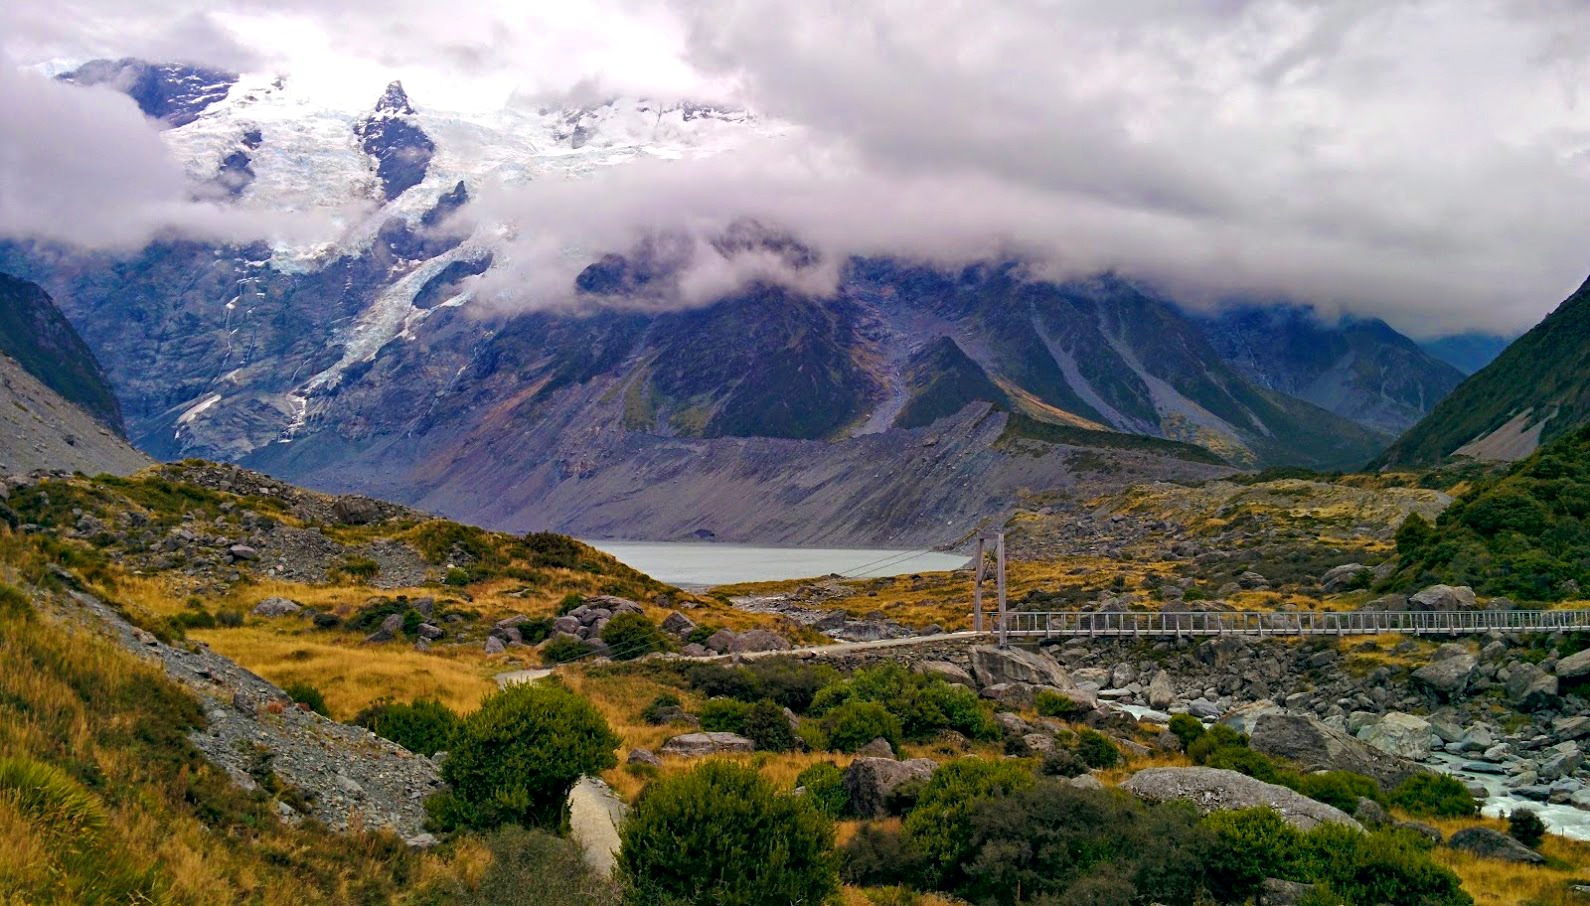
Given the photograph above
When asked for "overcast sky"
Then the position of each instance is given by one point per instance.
(1428, 162)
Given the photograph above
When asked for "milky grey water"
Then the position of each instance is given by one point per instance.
(699, 564)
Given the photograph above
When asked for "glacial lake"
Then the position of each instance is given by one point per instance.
(698, 564)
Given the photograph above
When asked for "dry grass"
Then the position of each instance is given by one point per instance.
(1492, 882)
(353, 676)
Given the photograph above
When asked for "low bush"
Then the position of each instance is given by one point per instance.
(853, 724)
(940, 826)
(358, 569)
(563, 650)
(1056, 704)
(535, 630)
(456, 577)
(1341, 789)
(515, 758)
(1097, 750)
(570, 601)
(925, 704)
(724, 715)
(768, 726)
(1188, 729)
(549, 550)
(879, 856)
(231, 619)
(308, 696)
(631, 635)
(760, 848)
(662, 709)
(424, 727)
(1063, 761)
(1434, 795)
(1526, 827)
(790, 683)
(824, 784)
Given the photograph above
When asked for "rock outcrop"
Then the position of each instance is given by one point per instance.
(1214, 789)
(1317, 747)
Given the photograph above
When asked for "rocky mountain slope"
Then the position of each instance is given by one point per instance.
(368, 364)
(1534, 391)
(1359, 369)
(35, 334)
(40, 430)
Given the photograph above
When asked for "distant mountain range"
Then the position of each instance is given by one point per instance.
(1467, 352)
(1536, 390)
(364, 366)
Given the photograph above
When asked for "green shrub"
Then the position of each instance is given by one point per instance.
(571, 601)
(632, 635)
(323, 620)
(194, 619)
(531, 868)
(1187, 728)
(424, 726)
(1063, 761)
(760, 848)
(549, 550)
(700, 634)
(1055, 704)
(787, 681)
(1434, 795)
(308, 696)
(767, 725)
(535, 630)
(456, 577)
(724, 715)
(1526, 827)
(1392, 866)
(877, 856)
(924, 704)
(563, 649)
(1097, 750)
(1213, 740)
(662, 709)
(515, 758)
(1053, 843)
(1341, 789)
(412, 620)
(853, 724)
(939, 827)
(824, 784)
(1251, 845)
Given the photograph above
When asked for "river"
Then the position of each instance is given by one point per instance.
(704, 564)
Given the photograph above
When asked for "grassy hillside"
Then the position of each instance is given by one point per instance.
(1545, 373)
(35, 333)
(1523, 533)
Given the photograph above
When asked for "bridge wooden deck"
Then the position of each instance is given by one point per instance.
(1062, 624)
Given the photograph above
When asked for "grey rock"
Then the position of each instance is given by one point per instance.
(678, 624)
(870, 781)
(644, 756)
(422, 841)
(1243, 719)
(1574, 666)
(993, 666)
(1491, 844)
(1422, 829)
(755, 640)
(1400, 734)
(1317, 747)
(1370, 813)
(696, 745)
(946, 671)
(276, 607)
(1531, 688)
(1161, 694)
(494, 645)
(1341, 578)
(1571, 727)
(1214, 789)
(1444, 597)
(430, 632)
(878, 748)
(1449, 676)
(242, 552)
(1276, 892)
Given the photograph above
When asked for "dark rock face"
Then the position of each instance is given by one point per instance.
(37, 335)
(402, 151)
(173, 93)
(1490, 844)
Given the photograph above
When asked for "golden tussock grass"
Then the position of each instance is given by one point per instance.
(353, 676)
(1493, 882)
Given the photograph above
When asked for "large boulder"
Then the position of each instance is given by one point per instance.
(276, 607)
(870, 781)
(1161, 692)
(1491, 844)
(1341, 578)
(1444, 597)
(757, 640)
(697, 745)
(993, 666)
(1244, 718)
(1530, 688)
(678, 624)
(1317, 747)
(1574, 666)
(1448, 675)
(1403, 735)
(1216, 790)
(946, 671)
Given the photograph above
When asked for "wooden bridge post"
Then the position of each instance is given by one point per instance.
(977, 588)
(999, 553)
